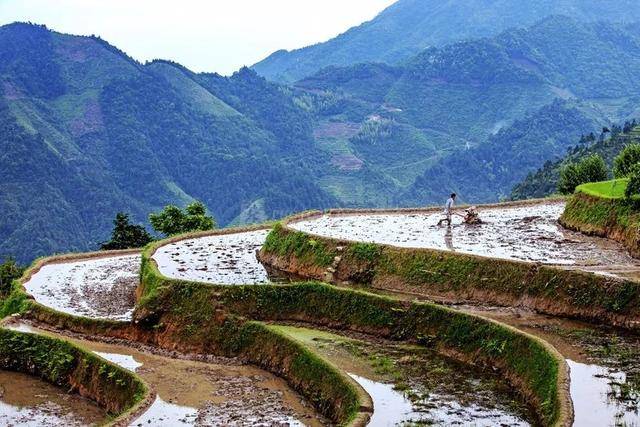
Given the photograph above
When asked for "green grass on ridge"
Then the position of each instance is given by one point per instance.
(613, 189)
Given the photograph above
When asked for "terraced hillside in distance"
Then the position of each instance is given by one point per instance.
(275, 348)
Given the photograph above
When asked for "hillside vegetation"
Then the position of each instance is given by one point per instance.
(89, 132)
(544, 181)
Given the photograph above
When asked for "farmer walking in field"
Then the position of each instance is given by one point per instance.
(448, 210)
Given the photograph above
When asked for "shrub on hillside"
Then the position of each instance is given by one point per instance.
(633, 186)
(590, 169)
(172, 220)
(9, 271)
(126, 235)
(626, 160)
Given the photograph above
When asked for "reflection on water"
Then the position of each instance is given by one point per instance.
(123, 360)
(604, 363)
(390, 407)
(164, 414)
(591, 392)
(416, 385)
(448, 239)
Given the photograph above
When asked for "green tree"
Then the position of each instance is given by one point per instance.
(9, 271)
(126, 235)
(590, 169)
(633, 186)
(172, 220)
(626, 160)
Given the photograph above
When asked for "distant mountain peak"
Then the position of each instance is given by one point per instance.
(408, 26)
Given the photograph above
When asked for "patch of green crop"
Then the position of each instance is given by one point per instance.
(613, 189)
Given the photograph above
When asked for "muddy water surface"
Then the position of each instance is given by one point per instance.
(604, 363)
(223, 392)
(526, 233)
(226, 259)
(413, 385)
(30, 401)
(101, 288)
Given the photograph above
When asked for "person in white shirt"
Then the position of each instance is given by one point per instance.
(448, 210)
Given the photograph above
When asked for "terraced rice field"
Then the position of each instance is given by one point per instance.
(224, 392)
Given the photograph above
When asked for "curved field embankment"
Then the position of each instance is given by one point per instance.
(55, 307)
(332, 392)
(593, 213)
(213, 318)
(58, 362)
(448, 275)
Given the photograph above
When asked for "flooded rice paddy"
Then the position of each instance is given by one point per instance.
(413, 386)
(101, 288)
(225, 259)
(604, 363)
(219, 392)
(525, 233)
(32, 402)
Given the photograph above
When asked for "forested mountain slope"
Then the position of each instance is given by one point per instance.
(489, 171)
(476, 116)
(409, 26)
(88, 132)
(544, 181)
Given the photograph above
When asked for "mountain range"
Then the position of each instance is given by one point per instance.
(409, 26)
(88, 131)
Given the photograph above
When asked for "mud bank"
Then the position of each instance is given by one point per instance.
(612, 218)
(214, 318)
(222, 391)
(119, 392)
(457, 277)
(26, 400)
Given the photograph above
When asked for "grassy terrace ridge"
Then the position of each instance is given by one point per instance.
(228, 320)
(120, 392)
(601, 209)
(331, 391)
(456, 276)
(613, 189)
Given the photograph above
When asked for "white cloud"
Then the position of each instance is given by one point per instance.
(217, 35)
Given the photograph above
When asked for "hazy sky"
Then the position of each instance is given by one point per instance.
(215, 35)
